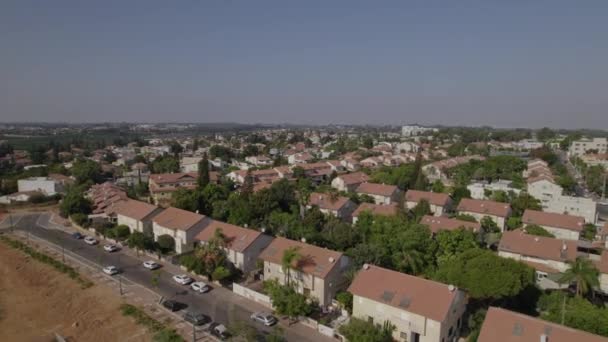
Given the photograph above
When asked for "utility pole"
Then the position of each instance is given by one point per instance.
(193, 333)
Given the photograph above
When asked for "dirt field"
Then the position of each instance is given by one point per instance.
(37, 301)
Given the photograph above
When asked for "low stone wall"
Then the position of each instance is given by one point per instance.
(251, 295)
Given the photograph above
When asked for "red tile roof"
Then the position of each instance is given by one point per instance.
(502, 325)
(377, 189)
(313, 260)
(518, 242)
(137, 210)
(403, 291)
(178, 219)
(236, 238)
(376, 209)
(484, 207)
(325, 201)
(354, 178)
(436, 224)
(434, 198)
(540, 218)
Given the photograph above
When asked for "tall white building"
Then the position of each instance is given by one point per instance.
(413, 130)
(45, 185)
(580, 147)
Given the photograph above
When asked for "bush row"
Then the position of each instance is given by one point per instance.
(161, 332)
(44, 258)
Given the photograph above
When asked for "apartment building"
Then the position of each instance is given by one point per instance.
(584, 146)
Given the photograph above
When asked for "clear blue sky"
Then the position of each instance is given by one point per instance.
(504, 63)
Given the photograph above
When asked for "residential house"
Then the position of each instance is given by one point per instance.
(189, 164)
(497, 211)
(242, 245)
(105, 197)
(260, 161)
(44, 185)
(349, 182)
(561, 226)
(137, 215)
(299, 158)
(381, 193)
(421, 310)
(501, 325)
(17, 197)
(338, 206)
(437, 224)
(163, 185)
(182, 225)
(439, 203)
(375, 209)
(351, 164)
(317, 273)
(437, 170)
(548, 256)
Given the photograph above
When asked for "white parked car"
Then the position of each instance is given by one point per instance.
(264, 318)
(111, 270)
(89, 240)
(182, 279)
(151, 265)
(199, 286)
(110, 248)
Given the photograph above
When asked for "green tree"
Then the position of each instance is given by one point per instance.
(166, 243)
(346, 300)
(485, 275)
(575, 312)
(290, 256)
(438, 186)
(524, 201)
(121, 232)
(358, 330)
(86, 170)
(488, 225)
(165, 164)
(74, 203)
(534, 229)
(589, 231)
(422, 208)
(140, 241)
(167, 335)
(583, 273)
(460, 192)
(286, 301)
(203, 172)
(185, 199)
(450, 244)
(221, 273)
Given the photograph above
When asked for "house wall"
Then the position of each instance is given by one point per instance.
(48, 187)
(560, 233)
(250, 254)
(500, 221)
(437, 210)
(604, 282)
(408, 323)
(184, 239)
(558, 265)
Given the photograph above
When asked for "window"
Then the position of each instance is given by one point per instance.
(370, 319)
(403, 336)
(451, 331)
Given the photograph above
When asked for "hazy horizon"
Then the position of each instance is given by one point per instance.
(467, 63)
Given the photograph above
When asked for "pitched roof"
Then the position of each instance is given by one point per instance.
(502, 325)
(436, 224)
(540, 218)
(403, 291)
(325, 201)
(137, 210)
(377, 189)
(354, 178)
(163, 178)
(376, 209)
(236, 238)
(517, 241)
(484, 207)
(435, 198)
(313, 260)
(178, 219)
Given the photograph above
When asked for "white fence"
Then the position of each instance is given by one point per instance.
(251, 295)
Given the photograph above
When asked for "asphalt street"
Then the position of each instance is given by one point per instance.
(214, 303)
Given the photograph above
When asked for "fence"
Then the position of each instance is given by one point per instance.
(251, 295)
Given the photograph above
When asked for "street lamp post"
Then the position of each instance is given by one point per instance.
(193, 333)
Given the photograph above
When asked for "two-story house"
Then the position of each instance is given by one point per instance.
(548, 256)
(562, 226)
(420, 309)
(182, 225)
(381, 193)
(501, 325)
(317, 272)
(136, 215)
(338, 206)
(375, 209)
(242, 245)
(497, 211)
(349, 182)
(440, 203)
(163, 185)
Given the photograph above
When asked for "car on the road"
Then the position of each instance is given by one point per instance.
(151, 265)
(200, 287)
(173, 305)
(111, 270)
(196, 318)
(89, 240)
(77, 236)
(110, 248)
(182, 279)
(264, 318)
(219, 331)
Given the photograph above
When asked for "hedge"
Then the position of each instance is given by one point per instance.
(161, 332)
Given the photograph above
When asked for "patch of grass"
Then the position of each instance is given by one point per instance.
(162, 333)
(44, 258)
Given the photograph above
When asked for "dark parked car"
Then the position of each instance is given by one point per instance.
(173, 305)
(196, 318)
(77, 236)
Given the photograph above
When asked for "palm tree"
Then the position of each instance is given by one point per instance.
(290, 256)
(583, 273)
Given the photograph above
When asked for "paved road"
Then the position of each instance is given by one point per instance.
(220, 304)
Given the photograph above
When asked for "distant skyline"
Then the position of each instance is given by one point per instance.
(498, 63)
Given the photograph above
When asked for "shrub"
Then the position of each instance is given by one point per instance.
(81, 219)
